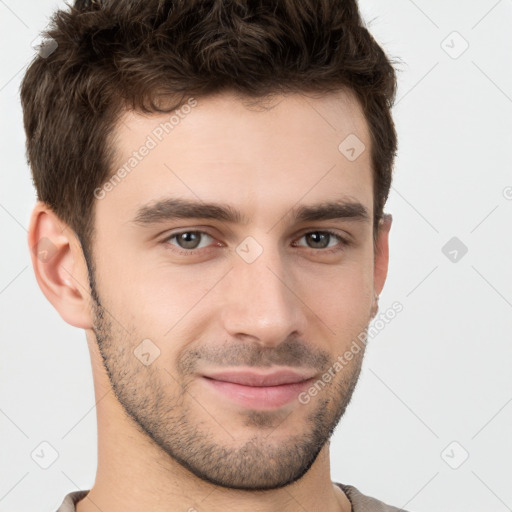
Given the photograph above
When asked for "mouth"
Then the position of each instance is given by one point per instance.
(254, 390)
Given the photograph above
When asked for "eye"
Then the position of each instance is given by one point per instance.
(321, 240)
(188, 240)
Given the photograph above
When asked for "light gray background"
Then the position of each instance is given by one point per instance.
(439, 372)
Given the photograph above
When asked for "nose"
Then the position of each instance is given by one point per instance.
(260, 301)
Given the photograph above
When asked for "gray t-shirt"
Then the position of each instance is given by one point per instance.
(360, 502)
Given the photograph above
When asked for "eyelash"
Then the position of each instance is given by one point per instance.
(343, 242)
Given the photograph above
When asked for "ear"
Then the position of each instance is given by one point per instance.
(59, 266)
(381, 255)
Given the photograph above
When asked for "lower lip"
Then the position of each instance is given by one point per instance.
(256, 397)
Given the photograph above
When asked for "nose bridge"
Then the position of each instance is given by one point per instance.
(260, 302)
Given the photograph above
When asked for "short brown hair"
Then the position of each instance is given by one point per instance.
(113, 55)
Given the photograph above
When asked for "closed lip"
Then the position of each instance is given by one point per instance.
(257, 379)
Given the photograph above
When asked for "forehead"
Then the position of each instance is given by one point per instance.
(258, 157)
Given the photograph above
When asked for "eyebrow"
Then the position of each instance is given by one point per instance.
(179, 208)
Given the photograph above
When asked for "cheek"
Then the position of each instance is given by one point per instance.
(166, 305)
(342, 297)
(136, 285)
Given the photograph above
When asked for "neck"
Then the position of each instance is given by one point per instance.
(130, 479)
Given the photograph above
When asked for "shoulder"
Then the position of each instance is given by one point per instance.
(71, 499)
(363, 503)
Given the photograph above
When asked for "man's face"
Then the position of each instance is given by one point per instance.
(276, 292)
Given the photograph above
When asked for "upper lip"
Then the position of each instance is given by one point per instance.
(252, 378)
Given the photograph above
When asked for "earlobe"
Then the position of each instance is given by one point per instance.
(59, 266)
